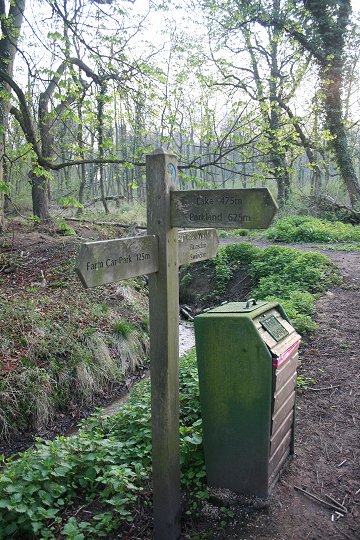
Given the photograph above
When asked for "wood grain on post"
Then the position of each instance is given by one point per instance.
(161, 168)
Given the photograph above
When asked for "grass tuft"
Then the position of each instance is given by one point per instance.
(123, 328)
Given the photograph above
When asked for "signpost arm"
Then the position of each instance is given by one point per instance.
(161, 167)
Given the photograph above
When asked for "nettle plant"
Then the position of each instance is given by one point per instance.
(287, 275)
(310, 229)
(105, 468)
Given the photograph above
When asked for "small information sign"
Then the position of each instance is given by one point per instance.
(275, 328)
(108, 261)
(197, 245)
(223, 208)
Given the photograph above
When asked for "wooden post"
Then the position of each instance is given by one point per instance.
(161, 168)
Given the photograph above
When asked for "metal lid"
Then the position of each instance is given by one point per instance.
(238, 307)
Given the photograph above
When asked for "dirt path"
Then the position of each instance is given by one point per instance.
(326, 461)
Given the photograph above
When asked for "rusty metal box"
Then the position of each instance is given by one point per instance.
(247, 359)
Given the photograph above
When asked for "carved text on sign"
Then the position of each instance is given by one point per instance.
(108, 261)
(230, 208)
(197, 245)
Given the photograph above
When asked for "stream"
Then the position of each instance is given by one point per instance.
(186, 342)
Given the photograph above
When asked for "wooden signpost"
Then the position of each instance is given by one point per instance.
(159, 254)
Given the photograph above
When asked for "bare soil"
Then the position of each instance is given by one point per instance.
(326, 461)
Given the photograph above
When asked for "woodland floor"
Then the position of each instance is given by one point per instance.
(326, 461)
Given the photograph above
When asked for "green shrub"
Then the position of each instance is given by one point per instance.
(65, 229)
(70, 202)
(233, 233)
(236, 254)
(290, 276)
(310, 229)
(43, 490)
(223, 272)
(278, 270)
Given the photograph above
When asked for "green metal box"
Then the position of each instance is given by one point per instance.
(247, 357)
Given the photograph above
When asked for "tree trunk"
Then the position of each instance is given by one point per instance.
(40, 196)
(272, 115)
(316, 173)
(3, 122)
(333, 33)
(2, 202)
(10, 31)
(282, 177)
(80, 142)
(40, 186)
(339, 141)
(100, 130)
(4, 117)
(281, 171)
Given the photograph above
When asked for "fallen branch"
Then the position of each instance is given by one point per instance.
(342, 508)
(321, 501)
(325, 388)
(109, 223)
(99, 199)
(327, 203)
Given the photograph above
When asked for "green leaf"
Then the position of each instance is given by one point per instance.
(4, 187)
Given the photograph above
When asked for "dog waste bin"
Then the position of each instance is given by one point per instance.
(247, 355)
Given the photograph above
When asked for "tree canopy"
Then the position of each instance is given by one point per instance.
(256, 93)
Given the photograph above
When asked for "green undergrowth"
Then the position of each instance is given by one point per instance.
(290, 276)
(104, 470)
(126, 213)
(92, 485)
(233, 233)
(310, 229)
(61, 351)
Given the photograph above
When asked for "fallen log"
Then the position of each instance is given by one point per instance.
(109, 223)
(99, 199)
(325, 203)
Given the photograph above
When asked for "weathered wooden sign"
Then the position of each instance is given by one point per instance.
(197, 245)
(108, 261)
(223, 208)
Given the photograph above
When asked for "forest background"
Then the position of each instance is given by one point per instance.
(246, 94)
